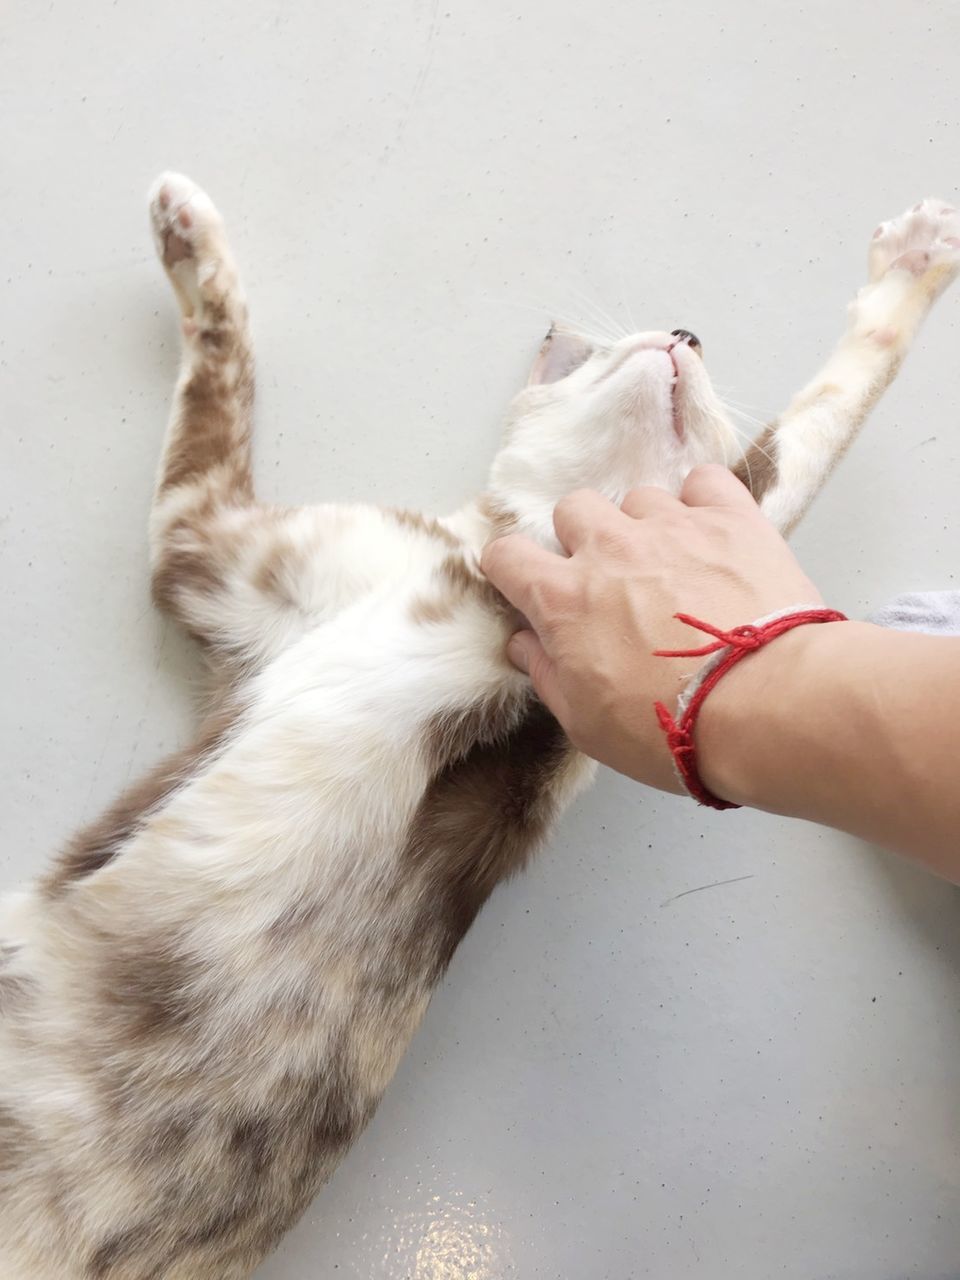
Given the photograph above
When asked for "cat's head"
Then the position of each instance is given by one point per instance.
(607, 416)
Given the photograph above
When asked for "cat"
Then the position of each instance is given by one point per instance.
(203, 1000)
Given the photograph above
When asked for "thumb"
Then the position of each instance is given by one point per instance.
(525, 651)
(527, 654)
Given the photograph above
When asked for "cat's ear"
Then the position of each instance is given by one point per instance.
(561, 353)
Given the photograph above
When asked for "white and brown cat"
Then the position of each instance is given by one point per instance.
(203, 1001)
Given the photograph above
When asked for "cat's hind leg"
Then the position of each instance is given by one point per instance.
(912, 259)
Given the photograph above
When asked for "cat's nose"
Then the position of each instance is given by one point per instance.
(686, 336)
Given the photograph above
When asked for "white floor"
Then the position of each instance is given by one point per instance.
(759, 1079)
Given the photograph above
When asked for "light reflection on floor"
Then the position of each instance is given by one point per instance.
(455, 1239)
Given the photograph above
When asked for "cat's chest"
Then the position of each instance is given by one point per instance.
(339, 554)
(427, 637)
(340, 736)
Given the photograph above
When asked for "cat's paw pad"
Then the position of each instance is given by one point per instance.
(185, 220)
(925, 239)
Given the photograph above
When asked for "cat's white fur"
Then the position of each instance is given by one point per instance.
(240, 960)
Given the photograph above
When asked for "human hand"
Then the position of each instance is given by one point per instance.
(598, 614)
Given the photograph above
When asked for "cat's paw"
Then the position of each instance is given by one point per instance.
(185, 221)
(191, 243)
(924, 241)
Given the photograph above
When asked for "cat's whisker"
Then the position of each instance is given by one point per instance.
(594, 309)
(728, 392)
(625, 306)
(729, 398)
(723, 441)
(732, 418)
(587, 318)
(746, 417)
(744, 413)
(609, 322)
(547, 313)
(752, 444)
(744, 453)
(552, 315)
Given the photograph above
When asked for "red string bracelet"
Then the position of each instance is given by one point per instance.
(730, 647)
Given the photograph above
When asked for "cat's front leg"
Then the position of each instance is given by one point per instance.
(204, 487)
(244, 579)
(239, 577)
(912, 259)
(207, 449)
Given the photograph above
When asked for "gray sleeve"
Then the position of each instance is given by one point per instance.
(935, 612)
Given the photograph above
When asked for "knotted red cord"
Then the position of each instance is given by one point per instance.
(740, 641)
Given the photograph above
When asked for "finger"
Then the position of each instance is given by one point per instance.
(648, 501)
(527, 654)
(715, 486)
(523, 648)
(579, 516)
(516, 566)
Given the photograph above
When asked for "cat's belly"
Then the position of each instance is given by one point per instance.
(215, 1009)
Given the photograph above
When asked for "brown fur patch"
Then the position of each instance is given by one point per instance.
(14, 1140)
(223, 1177)
(213, 431)
(245, 1181)
(15, 991)
(418, 523)
(99, 843)
(455, 581)
(758, 469)
(180, 571)
(430, 610)
(168, 1136)
(282, 565)
(295, 917)
(484, 813)
(270, 579)
(462, 579)
(451, 735)
(501, 520)
(15, 988)
(114, 1250)
(204, 554)
(458, 577)
(251, 1142)
(151, 988)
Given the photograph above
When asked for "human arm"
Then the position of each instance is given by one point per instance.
(844, 724)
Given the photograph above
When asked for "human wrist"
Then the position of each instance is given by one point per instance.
(751, 733)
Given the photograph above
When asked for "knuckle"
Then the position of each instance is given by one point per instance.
(551, 596)
(674, 524)
(569, 505)
(579, 496)
(579, 501)
(641, 491)
(611, 540)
